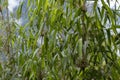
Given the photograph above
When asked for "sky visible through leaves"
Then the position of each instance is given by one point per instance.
(13, 4)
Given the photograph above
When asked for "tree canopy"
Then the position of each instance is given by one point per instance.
(60, 40)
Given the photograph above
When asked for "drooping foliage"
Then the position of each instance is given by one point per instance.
(61, 40)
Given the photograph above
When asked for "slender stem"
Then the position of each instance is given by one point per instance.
(8, 31)
(83, 30)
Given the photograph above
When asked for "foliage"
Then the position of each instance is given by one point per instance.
(74, 45)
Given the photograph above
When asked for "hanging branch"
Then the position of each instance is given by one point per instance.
(83, 62)
(83, 28)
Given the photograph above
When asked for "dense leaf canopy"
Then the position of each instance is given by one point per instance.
(60, 40)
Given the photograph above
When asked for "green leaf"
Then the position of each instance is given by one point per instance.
(109, 36)
(19, 10)
(80, 46)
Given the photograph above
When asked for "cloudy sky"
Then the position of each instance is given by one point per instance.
(13, 4)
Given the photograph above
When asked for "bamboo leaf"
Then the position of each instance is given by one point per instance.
(19, 10)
